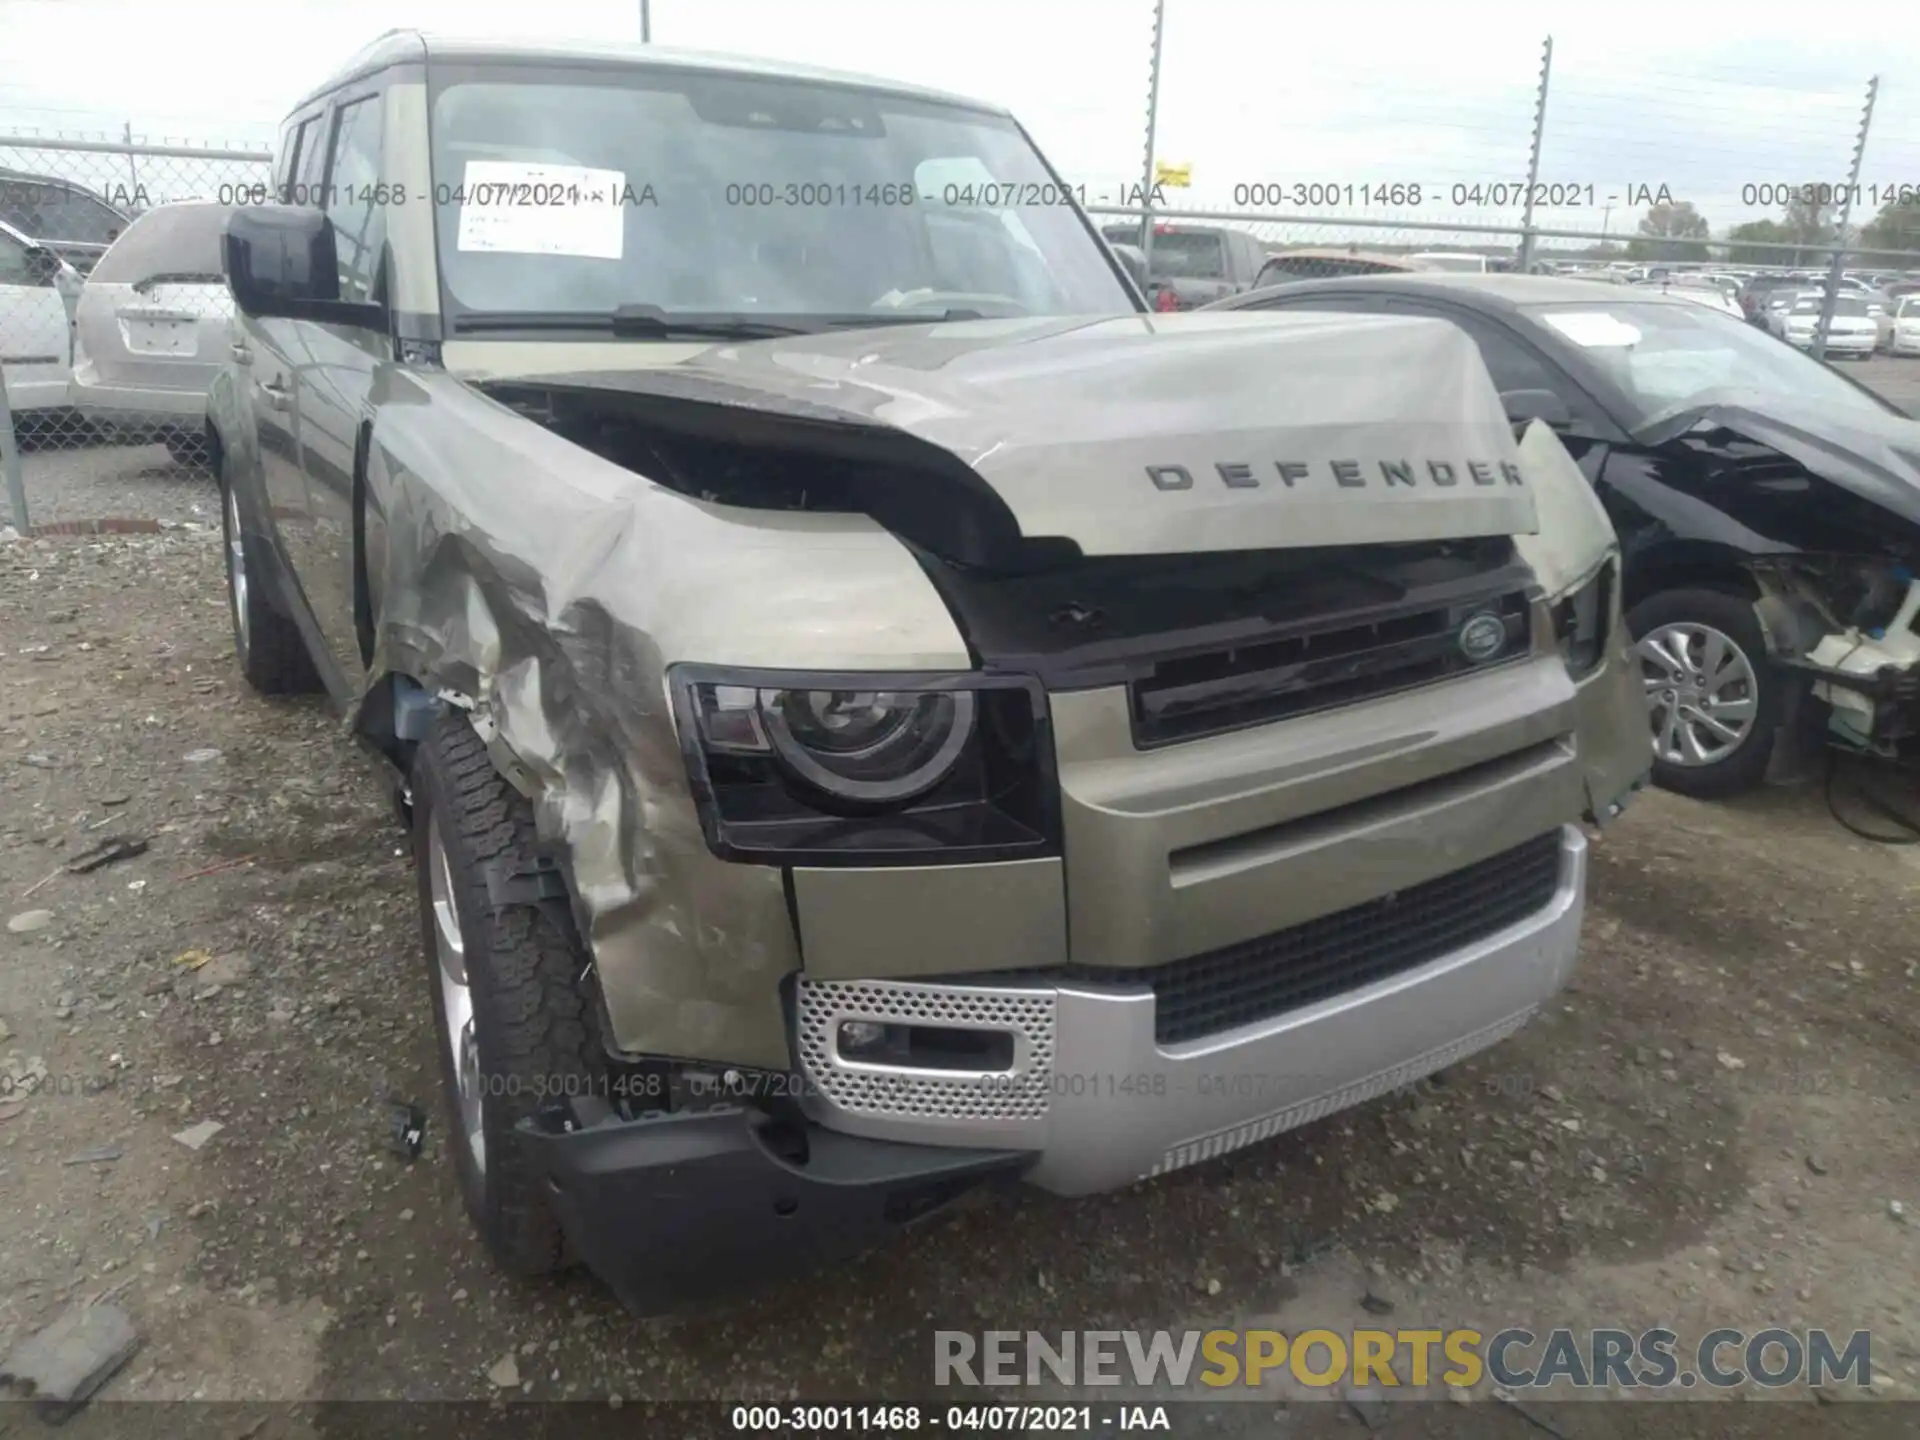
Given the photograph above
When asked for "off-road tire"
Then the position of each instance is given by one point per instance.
(534, 1017)
(1732, 615)
(268, 645)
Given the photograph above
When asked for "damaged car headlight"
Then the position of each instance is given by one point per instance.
(1582, 621)
(874, 747)
(867, 769)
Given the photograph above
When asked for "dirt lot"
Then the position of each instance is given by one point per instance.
(1715, 1127)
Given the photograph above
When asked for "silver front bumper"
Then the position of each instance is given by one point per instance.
(1103, 1104)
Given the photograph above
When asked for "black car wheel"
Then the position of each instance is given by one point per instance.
(267, 644)
(1713, 701)
(514, 1018)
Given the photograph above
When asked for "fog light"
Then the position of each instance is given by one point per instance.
(862, 1037)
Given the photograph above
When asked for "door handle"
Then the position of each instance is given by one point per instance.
(241, 353)
(276, 394)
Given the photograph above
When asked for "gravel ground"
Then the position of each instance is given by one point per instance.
(1713, 1128)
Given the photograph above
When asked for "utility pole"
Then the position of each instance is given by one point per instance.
(133, 171)
(1153, 115)
(1819, 346)
(646, 24)
(1533, 158)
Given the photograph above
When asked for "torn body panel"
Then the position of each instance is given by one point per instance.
(1575, 547)
(1824, 512)
(1131, 436)
(835, 504)
(554, 603)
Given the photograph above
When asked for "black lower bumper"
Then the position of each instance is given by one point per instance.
(675, 1209)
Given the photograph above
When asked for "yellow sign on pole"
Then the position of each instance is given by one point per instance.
(1177, 176)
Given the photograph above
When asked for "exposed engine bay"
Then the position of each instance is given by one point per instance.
(1847, 625)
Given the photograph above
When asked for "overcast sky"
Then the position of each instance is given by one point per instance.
(1705, 98)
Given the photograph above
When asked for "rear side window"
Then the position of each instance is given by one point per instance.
(14, 269)
(46, 210)
(177, 242)
(289, 156)
(353, 183)
(1187, 255)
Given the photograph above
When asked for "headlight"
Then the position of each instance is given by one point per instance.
(868, 769)
(873, 747)
(1582, 621)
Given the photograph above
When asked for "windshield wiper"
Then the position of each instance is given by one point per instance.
(633, 322)
(902, 317)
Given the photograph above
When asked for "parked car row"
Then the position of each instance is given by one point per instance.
(127, 351)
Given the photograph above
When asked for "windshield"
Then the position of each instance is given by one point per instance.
(1662, 356)
(580, 190)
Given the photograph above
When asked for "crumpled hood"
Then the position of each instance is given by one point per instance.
(1862, 448)
(1163, 434)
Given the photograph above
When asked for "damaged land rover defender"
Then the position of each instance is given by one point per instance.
(879, 713)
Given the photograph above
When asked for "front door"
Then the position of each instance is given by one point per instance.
(335, 385)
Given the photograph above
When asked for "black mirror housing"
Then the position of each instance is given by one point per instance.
(1527, 405)
(281, 262)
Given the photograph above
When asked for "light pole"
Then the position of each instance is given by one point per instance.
(646, 24)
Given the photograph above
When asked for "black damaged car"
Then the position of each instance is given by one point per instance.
(1768, 509)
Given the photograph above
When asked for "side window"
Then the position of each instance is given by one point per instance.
(311, 166)
(353, 182)
(1511, 364)
(285, 158)
(14, 269)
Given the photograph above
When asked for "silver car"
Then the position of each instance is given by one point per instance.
(152, 329)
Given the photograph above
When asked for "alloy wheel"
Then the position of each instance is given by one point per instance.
(1702, 694)
(456, 998)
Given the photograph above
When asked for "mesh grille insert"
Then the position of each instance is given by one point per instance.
(1260, 978)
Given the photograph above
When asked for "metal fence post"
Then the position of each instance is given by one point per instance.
(1819, 346)
(10, 464)
(1533, 160)
(1153, 118)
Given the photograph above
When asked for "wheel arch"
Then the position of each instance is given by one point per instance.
(1688, 565)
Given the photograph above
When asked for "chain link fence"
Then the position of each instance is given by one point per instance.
(106, 361)
(1721, 183)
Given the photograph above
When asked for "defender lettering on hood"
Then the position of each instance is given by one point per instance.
(1348, 474)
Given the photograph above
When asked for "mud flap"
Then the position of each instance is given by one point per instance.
(1576, 539)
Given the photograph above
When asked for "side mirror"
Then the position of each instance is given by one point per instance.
(281, 263)
(1527, 405)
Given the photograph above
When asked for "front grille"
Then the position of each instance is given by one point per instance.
(1258, 979)
(1192, 696)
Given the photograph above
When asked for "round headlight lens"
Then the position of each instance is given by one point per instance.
(874, 746)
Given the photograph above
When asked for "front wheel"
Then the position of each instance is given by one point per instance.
(514, 1019)
(267, 644)
(1713, 701)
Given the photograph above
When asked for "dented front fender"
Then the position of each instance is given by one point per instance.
(1576, 541)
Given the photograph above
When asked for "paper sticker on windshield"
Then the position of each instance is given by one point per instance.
(520, 209)
(1593, 328)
